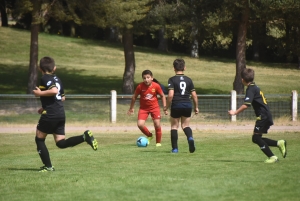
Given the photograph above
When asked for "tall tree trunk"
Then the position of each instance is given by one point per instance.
(4, 20)
(255, 41)
(163, 42)
(33, 67)
(128, 76)
(241, 49)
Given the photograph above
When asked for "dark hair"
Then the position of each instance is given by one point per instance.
(247, 74)
(179, 64)
(47, 64)
(147, 72)
(155, 80)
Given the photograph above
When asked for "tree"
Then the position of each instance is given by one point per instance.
(125, 16)
(241, 48)
(4, 20)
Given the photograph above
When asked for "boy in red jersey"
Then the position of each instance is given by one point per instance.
(148, 91)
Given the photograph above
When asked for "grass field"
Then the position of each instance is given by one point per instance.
(225, 166)
(97, 67)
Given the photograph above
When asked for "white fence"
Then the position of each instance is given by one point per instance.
(22, 108)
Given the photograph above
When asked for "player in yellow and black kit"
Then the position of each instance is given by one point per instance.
(52, 120)
(254, 97)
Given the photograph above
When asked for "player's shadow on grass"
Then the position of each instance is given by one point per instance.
(23, 169)
(233, 161)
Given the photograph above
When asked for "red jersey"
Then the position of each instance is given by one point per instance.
(148, 95)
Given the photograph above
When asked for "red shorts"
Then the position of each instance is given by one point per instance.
(143, 114)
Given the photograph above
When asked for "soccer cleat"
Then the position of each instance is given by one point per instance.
(282, 147)
(47, 169)
(272, 159)
(191, 145)
(149, 139)
(158, 145)
(89, 138)
(175, 150)
(42, 167)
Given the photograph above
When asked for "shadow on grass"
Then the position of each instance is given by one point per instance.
(14, 81)
(234, 161)
(23, 169)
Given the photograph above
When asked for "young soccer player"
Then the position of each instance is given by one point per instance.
(148, 91)
(181, 88)
(52, 120)
(163, 88)
(254, 97)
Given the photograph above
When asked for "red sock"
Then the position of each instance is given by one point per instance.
(146, 131)
(158, 134)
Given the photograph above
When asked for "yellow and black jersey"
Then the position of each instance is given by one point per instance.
(254, 97)
(52, 105)
(182, 86)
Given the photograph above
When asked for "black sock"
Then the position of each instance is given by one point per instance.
(43, 151)
(70, 142)
(256, 138)
(271, 143)
(188, 132)
(174, 138)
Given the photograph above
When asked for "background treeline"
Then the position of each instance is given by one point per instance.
(173, 25)
(259, 30)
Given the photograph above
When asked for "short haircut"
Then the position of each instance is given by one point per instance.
(247, 74)
(179, 64)
(47, 64)
(147, 72)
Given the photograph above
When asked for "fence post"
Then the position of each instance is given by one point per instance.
(113, 106)
(233, 104)
(294, 105)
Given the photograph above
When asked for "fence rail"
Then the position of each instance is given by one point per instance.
(113, 107)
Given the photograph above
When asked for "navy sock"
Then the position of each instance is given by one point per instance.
(43, 151)
(70, 142)
(188, 132)
(256, 138)
(174, 138)
(271, 143)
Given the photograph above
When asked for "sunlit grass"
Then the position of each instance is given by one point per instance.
(91, 63)
(225, 166)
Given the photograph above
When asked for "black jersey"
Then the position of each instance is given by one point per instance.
(52, 105)
(182, 86)
(255, 97)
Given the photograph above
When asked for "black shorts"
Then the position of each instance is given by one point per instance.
(52, 126)
(262, 126)
(181, 112)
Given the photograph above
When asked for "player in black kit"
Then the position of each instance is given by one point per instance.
(254, 97)
(181, 88)
(52, 120)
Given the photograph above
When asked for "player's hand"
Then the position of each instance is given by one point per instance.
(36, 91)
(231, 112)
(130, 111)
(166, 112)
(40, 110)
(196, 110)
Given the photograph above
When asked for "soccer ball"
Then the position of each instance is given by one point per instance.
(142, 142)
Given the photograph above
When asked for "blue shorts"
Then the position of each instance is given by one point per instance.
(262, 126)
(181, 112)
(52, 126)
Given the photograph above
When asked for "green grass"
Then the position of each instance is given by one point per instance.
(225, 166)
(97, 67)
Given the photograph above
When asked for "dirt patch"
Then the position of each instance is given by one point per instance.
(124, 128)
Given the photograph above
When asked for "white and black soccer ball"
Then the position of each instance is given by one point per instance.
(142, 142)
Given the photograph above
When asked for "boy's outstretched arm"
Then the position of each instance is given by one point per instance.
(50, 92)
(131, 108)
(235, 112)
(195, 101)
